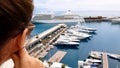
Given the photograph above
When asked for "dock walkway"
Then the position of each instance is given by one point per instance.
(57, 57)
(105, 60)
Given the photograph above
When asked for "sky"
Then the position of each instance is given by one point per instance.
(77, 5)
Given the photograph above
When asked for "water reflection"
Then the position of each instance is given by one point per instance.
(66, 47)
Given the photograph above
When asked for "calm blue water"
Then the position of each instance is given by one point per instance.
(107, 38)
(42, 27)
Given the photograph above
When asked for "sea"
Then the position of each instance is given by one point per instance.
(106, 39)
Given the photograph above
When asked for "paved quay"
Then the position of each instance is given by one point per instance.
(57, 57)
(39, 45)
(44, 34)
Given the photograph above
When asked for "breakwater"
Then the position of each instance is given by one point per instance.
(95, 19)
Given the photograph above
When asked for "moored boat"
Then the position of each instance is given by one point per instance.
(66, 42)
(115, 20)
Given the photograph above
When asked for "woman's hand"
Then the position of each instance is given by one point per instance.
(23, 60)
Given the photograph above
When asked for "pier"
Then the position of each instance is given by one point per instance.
(57, 57)
(94, 19)
(105, 60)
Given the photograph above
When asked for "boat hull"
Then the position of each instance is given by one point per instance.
(68, 44)
(55, 21)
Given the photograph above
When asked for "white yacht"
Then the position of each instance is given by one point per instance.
(79, 29)
(78, 34)
(115, 20)
(70, 38)
(95, 55)
(94, 60)
(83, 64)
(66, 42)
(52, 18)
(85, 28)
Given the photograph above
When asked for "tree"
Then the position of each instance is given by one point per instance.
(63, 66)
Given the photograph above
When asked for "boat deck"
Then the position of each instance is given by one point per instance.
(57, 57)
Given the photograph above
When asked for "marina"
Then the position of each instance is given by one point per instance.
(39, 45)
(94, 42)
(98, 43)
(76, 52)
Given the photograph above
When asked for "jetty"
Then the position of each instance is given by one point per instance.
(39, 44)
(94, 19)
(57, 57)
(105, 60)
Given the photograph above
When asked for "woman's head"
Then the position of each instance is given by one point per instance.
(15, 15)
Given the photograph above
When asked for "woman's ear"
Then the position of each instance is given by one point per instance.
(20, 39)
(12, 46)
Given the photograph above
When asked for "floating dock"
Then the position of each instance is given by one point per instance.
(57, 57)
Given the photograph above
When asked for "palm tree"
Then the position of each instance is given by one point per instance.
(63, 66)
(50, 63)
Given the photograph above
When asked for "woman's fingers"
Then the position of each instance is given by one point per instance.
(23, 60)
(22, 53)
(15, 58)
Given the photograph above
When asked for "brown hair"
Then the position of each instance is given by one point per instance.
(14, 18)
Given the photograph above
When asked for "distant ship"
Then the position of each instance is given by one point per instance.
(52, 18)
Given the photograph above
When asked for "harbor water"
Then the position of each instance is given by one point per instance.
(106, 39)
